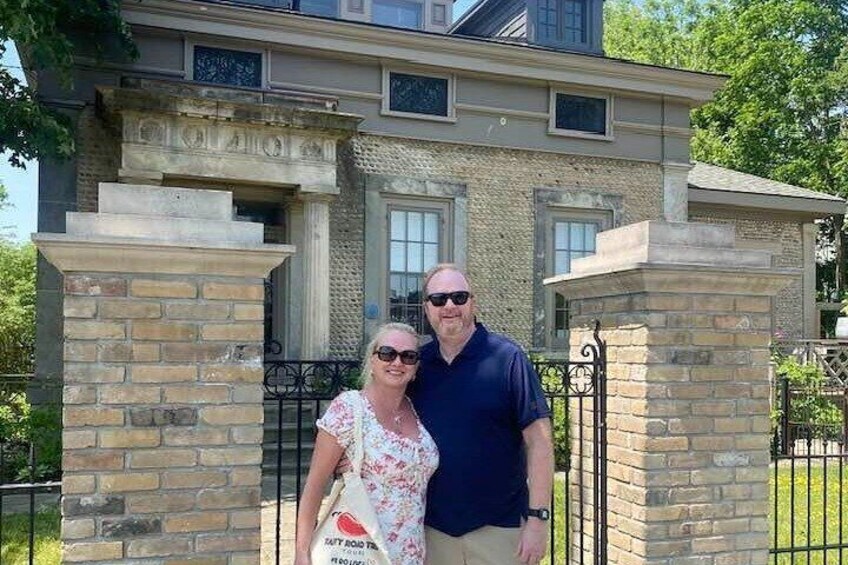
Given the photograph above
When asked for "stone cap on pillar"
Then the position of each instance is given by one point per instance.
(664, 256)
(154, 229)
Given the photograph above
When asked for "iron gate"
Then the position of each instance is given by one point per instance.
(297, 392)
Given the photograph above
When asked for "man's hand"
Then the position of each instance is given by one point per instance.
(533, 542)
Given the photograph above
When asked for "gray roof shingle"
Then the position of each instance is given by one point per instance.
(711, 177)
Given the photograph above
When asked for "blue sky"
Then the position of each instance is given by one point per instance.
(23, 184)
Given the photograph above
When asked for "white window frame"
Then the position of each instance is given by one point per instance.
(604, 219)
(385, 108)
(433, 19)
(444, 207)
(265, 58)
(553, 130)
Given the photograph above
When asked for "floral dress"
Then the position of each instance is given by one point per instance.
(395, 470)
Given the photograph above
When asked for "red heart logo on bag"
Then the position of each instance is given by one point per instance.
(349, 525)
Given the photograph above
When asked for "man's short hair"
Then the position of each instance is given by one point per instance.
(438, 269)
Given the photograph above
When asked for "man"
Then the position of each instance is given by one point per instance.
(479, 398)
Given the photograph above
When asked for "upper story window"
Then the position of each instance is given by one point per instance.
(580, 115)
(328, 8)
(398, 13)
(227, 66)
(429, 96)
(567, 23)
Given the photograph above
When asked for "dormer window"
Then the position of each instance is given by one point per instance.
(398, 13)
(562, 21)
(327, 8)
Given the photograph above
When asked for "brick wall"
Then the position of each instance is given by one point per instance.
(786, 237)
(162, 419)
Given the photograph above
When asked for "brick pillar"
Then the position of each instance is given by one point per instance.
(163, 327)
(687, 320)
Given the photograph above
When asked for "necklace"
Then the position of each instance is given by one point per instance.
(396, 416)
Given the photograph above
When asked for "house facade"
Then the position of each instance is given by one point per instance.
(379, 141)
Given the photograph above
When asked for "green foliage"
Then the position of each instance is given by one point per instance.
(22, 424)
(551, 381)
(17, 304)
(49, 33)
(808, 405)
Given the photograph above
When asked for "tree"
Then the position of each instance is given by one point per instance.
(17, 293)
(783, 112)
(48, 33)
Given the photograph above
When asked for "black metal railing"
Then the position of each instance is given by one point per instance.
(28, 507)
(298, 391)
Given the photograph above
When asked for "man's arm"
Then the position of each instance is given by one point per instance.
(538, 441)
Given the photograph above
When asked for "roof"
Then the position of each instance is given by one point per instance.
(711, 184)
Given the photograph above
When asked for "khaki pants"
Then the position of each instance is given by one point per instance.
(489, 545)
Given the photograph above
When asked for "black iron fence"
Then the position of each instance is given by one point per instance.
(297, 392)
(808, 495)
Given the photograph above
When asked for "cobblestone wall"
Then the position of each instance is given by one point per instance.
(500, 184)
(785, 237)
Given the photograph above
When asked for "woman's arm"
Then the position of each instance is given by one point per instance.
(325, 456)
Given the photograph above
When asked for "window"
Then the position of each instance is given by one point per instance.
(397, 13)
(440, 14)
(226, 66)
(416, 243)
(562, 22)
(328, 8)
(418, 95)
(571, 237)
(580, 115)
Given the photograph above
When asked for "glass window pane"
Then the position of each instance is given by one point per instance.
(414, 226)
(591, 232)
(561, 235)
(431, 255)
(397, 13)
(226, 66)
(398, 221)
(413, 293)
(418, 94)
(561, 263)
(581, 113)
(396, 286)
(576, 234)
(328, 8)
(397, 260)
(431, 228)
(414, 258)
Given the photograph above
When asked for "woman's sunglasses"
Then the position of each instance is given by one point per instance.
(458, 297)
(388, 354)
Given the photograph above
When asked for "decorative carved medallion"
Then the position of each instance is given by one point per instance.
(151, 131)
(193, 137)
(273, 145)
(311, 150)
(237, 142)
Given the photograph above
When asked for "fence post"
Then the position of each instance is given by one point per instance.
(163, 328)
(686, 317)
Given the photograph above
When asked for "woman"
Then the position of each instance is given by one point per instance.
(399, 454)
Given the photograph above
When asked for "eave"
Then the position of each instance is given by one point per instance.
(815, 207)
(475, 55)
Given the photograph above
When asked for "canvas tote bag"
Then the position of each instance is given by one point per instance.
(349, 533)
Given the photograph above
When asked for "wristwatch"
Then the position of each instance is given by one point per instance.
(542, 514)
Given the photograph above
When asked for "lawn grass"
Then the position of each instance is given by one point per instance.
(14, 545)
(809, 519)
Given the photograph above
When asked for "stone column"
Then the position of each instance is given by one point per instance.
(163, 328)
(676, 191)
(687, 320)
(316, 275)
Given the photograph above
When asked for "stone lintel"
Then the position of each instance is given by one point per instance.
(317, 192)
(125, 255)
(272, 109)
(644, 277)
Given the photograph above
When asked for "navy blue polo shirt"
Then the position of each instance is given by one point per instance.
(475, 409)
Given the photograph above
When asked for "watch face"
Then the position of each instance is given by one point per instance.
(540, 513)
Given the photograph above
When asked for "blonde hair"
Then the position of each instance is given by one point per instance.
(436, 269)
(382, 331)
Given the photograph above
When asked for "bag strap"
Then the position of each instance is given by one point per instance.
(358, 443)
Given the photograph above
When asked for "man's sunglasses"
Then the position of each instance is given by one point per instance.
(388, 354)
(458, 297)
